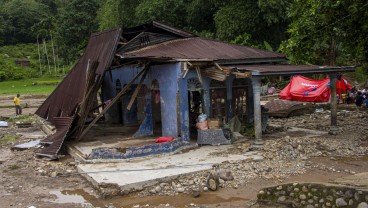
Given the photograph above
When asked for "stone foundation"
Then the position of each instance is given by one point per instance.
(312, 195)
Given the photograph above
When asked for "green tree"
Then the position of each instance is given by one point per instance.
(2, 30)
(200, 15)
(237, 17)
(328, 32)
(74, 26)
(168, 11)
(117, 13)
(18, 17)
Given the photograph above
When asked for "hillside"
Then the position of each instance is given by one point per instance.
(12, 57)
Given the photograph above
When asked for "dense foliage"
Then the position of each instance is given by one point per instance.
(308, 31)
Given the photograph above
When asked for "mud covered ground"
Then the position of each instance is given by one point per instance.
(27, 180)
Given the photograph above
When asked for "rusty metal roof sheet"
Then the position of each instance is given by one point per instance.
(196, 48)
(287, 69)
(69, 93)
(60, 107)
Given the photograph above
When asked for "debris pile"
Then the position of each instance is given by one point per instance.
(282, 157)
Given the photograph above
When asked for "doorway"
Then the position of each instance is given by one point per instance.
(195, 105)
(156, 108)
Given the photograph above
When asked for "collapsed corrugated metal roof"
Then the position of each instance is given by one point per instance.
(63, 102)
(197, 48)
(69, 93)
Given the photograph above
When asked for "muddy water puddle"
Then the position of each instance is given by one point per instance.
(83, 198)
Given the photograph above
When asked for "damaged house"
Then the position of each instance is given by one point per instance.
(152, 81)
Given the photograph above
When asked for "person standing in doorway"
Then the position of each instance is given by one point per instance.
(18, 109)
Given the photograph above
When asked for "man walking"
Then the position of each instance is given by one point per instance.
(18, 109)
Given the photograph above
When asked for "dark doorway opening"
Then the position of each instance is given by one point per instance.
(195, 100)
(156, 108)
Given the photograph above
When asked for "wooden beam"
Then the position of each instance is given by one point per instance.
(199, 74)
(114, 100)
(218, 66)
(186, 69)
(136, 91)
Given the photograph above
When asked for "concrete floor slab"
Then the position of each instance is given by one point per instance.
(137, 173)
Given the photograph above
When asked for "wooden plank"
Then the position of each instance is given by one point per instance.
(215, 74)
(242, 75)
(136, 91)
(91, 89)
(87, 105)
(114, 100)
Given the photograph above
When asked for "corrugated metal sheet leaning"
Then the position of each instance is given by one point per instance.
(63, 102)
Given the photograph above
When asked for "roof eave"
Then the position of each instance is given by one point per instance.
(251, 61)
(312, 71)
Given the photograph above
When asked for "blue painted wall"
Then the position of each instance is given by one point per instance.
(171, 82)
(167, 77)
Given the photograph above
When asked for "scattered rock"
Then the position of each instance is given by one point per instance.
(180, 190)
(340, 202)
(363, 205)
(226, 175)
(196, 193)
(212, 184)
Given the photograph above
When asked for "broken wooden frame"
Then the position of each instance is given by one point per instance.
(114, 100)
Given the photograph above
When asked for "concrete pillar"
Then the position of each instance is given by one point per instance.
(333, 103)
(250, 102)
(256, 84)
(206, 96)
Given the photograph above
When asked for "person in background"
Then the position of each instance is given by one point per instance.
(359, 99)
(344, 98)
(18, 109)
(271, 90)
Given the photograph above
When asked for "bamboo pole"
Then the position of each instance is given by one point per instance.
(47, 56)
(53, 52)
(39, 55)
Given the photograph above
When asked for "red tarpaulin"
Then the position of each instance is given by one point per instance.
(308, 90)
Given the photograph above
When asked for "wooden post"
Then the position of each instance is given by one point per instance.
(333, 103)
(114, 100)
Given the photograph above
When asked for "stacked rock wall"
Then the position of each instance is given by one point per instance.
(312, 195)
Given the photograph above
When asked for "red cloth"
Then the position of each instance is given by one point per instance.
(164, 139)
(308, 90)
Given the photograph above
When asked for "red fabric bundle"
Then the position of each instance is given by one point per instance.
(164, 139)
